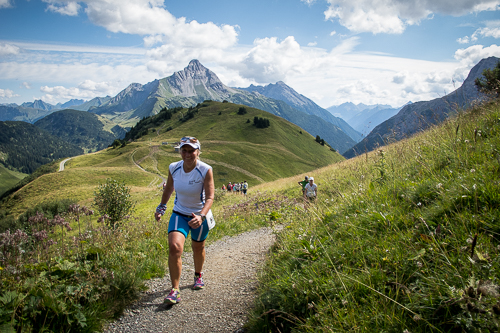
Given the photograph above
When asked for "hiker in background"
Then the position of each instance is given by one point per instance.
(223, 187)
(311, 189)
(194, 194)
(236, 188)
(303, 184)
(245, 187)
(229, 187)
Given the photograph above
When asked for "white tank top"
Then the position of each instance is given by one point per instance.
(189, 187)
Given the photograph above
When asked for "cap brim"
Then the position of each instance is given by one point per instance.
(194, 145)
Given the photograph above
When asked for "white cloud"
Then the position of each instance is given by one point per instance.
(392, 16)
(271, 61)
(8, 49)
(309, 2)
(473, 54)
(89, 77)
(86, 90)
(7, 93)
(5, 4)
(312, 44)
(492, 29)
(69, 8)
(150, 18)
(25, 85)
(489, 32)
(400, 78)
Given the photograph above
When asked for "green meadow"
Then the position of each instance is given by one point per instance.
(401, 239)
(9, 178)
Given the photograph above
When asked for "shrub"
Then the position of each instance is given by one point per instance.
(490, 84)
(113, 200)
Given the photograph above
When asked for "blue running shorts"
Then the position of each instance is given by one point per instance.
(179, 222)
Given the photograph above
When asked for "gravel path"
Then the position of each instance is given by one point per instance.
(230, 269)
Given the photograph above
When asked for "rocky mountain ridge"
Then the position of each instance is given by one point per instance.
(419, 116)
(195, 84)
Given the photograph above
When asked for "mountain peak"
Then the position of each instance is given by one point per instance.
(195, 78)
(195, 65)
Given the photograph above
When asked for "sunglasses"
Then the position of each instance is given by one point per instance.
(189, 139)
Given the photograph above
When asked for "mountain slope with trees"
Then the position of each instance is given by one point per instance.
(25, 147)
(81, 128)
(280, 91)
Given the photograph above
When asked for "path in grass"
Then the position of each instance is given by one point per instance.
(61, 165)
(231, 269)
(152, 151)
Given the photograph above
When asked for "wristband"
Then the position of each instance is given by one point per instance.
(161, 209)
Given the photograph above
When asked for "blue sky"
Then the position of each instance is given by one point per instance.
(332, 51)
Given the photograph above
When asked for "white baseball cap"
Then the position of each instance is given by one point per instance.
(190, 140)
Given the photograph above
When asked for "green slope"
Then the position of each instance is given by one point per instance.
(9, 178)
(235, 148)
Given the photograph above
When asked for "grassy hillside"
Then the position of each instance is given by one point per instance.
(236, 149)
(9, 178)
(404, 239)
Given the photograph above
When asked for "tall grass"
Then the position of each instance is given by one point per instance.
(72, 273)
(402, 239)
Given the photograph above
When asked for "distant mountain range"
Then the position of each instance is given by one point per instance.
(419, 116)
(363, 118)
(349, 110)
(340, 126)
(192, 86)
(197, 83)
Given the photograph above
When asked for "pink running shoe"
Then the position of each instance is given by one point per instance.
(174, 297)
(198, 282)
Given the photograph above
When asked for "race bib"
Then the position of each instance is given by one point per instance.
(210, 220)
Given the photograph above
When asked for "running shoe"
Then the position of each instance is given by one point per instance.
(174, 297)
(198, 282)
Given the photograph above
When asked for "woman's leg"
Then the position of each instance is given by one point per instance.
(198, 255)
(175, 247)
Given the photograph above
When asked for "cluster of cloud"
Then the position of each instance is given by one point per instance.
(86, 90)
(7, 93)
(324, 75)
(8, 49)
(393, 16)
(492, 29)
(5, 4)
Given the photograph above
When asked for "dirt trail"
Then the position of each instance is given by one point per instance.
(231, 269)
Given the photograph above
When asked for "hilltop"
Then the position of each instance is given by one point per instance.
(235, 148)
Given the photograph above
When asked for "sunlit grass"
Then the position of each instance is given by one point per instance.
(390, 244)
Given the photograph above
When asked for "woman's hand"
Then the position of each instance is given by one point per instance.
(196, 221)
(158, 216)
